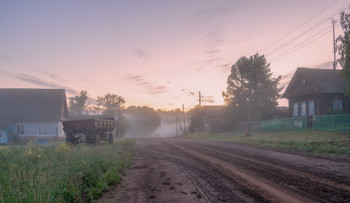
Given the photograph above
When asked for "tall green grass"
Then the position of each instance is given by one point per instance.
(311, 141)
(59, 172)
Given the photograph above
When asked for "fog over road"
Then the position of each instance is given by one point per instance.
(185, 170)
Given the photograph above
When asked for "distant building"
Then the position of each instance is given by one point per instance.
(214, 118)
(316, 92)
(32, 113)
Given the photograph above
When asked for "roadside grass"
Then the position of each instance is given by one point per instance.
(310, 141)
(60, 172)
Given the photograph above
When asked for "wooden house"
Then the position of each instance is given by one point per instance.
(33, 113)
(316, 92)
(213, 118)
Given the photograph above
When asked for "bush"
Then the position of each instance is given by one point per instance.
(59, 173)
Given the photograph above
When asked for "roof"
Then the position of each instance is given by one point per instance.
(25, 105)
(214, 112)
(319, 80)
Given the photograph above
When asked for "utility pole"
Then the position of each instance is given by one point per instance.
(177, 132)
(334, 50)
(200, 112)
(183, 110)
(247, 130)
(119, 119)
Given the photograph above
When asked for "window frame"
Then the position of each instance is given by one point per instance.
(42, 130)
(20, 129)
(337, 104)
(313, 108)
(303, 109)
(295, 109)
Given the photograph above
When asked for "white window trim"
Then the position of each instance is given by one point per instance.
(295, 109)
(42, 130)
(313, 108)
(21, 129)
(302, 110)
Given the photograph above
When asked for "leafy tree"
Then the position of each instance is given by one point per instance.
(143, 120)
(251, 78)
(77, 104)
(344, 48)
(110, 104)
(113, 105)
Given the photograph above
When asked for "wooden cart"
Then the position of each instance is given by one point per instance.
(89, 131)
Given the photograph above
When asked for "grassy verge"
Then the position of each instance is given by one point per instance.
(326, 143)
(60, 172)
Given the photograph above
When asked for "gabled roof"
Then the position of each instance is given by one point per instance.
(214, 112)
(18, 105)
(320, 81)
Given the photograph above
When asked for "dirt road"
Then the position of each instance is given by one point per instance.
(184, 170)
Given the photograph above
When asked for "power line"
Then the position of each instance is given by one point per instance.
(299, 46)
(308, 30)
(299, 26)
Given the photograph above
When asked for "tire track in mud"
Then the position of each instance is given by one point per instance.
(299, 181)
(265, 188)
(211, 185)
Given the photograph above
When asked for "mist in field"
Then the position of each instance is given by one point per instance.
(167, 127)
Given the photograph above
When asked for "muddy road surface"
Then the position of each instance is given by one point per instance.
(185, 170)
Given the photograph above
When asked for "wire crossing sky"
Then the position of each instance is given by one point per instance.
(158, 53)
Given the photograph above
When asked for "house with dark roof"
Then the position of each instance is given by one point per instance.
(316, 92)
(213, 118)
(33, 113)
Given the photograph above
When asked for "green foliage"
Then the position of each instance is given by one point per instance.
(61, 173)
(251, 78)
(319, 142)
(110, 104)
(143, 120)
(344, 48)
(77, 104)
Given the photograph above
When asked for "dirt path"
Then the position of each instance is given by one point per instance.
(183, 170)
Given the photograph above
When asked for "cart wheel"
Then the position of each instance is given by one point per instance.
(98, 140)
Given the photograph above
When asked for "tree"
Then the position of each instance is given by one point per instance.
(110, 104)
(143, 120)
(77, 104)
(251, 80)
(344, 48)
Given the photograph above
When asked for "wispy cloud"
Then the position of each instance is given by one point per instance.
(325, 65)
(190, 93)
(142, 54)
(51, 75)
(208, 99)
(149, 87)
(38, 81)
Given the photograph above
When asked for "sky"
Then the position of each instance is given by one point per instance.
(159, 53)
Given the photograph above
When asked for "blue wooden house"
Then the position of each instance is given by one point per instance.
(32, 113)
(3, 137)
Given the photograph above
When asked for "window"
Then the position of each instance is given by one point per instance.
(311, 108)
(20, 129)
(1, 135)
(303, 109)
(295, 109)
(42, 129)
(337, 104)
